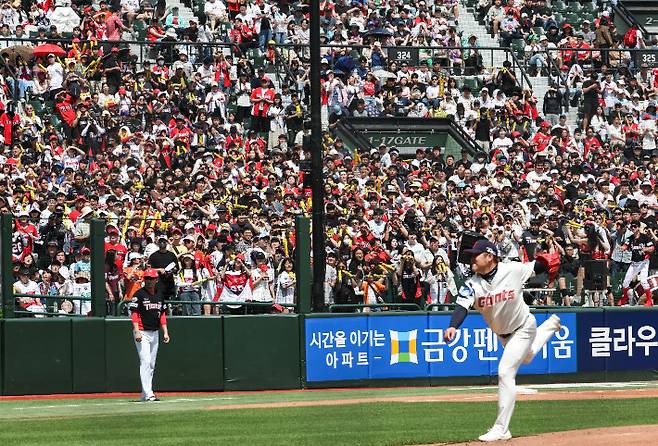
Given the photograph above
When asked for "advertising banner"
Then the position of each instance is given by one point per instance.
(621, 340)
(395, 346)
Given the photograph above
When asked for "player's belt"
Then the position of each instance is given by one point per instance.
(507, 335)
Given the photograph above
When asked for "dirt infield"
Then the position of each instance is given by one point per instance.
(457, 397)
(611, 436)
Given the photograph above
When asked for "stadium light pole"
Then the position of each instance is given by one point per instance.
(317, 180)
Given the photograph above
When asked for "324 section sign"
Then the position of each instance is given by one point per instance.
(404, 54)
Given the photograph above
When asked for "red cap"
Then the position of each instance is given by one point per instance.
(85, 250)
(115, 49)
(176, 231)
(150, 273)
(211, 227)
(112, 230)
(545, 124)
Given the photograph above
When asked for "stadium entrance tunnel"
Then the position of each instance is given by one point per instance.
(406, 134)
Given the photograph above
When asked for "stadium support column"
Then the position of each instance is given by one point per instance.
(97, 239)
(317, 186)
(303, 262)
(6, 263)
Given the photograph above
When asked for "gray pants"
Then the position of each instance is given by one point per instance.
(191, 309)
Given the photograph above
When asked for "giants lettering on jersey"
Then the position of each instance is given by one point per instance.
(493, 299)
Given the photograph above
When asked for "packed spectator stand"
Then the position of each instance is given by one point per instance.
(186, 134)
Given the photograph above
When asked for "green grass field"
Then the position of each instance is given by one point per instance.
(186, 420)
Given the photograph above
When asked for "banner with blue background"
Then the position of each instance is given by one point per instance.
(398, 346)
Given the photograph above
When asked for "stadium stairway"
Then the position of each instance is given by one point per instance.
(469, 25)
(183, 10)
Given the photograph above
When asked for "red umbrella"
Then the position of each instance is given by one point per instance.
(49, 48)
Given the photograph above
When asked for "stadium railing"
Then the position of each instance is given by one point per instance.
(7, 280)
(49, 303)
(402, 306)
(414, 55)
(121, 308)
(197, 51)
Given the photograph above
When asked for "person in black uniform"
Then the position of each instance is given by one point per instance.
(166, 264)
(641, 247)
(147, 312)
(569, 265)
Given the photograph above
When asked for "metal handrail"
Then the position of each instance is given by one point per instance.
(280, 63)
(48, 313)
(123, 43)
(248, 303)
(410, 305)
(122, 305)
(524, 74)
(629, 18)
(359, 48)
(45, 296)
(430, 307)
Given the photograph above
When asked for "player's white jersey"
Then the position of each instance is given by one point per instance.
(501, 300)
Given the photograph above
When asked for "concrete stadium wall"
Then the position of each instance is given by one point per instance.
(46, 356)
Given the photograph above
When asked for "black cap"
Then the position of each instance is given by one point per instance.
(483, 246)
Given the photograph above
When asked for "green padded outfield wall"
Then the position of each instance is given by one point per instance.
(193, 360)
(121, 361)
(37, 356)
(2, 357)
(261, 352)
(88, 351)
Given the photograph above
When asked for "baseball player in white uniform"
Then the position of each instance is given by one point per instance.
(496, 290)
(641, 246)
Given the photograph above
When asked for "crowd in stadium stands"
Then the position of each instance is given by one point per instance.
(192, 152)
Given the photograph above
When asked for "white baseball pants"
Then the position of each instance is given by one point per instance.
(639, 270)
(148, 352)
(520, 348)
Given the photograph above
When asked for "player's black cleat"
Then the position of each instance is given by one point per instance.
(152, 398)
